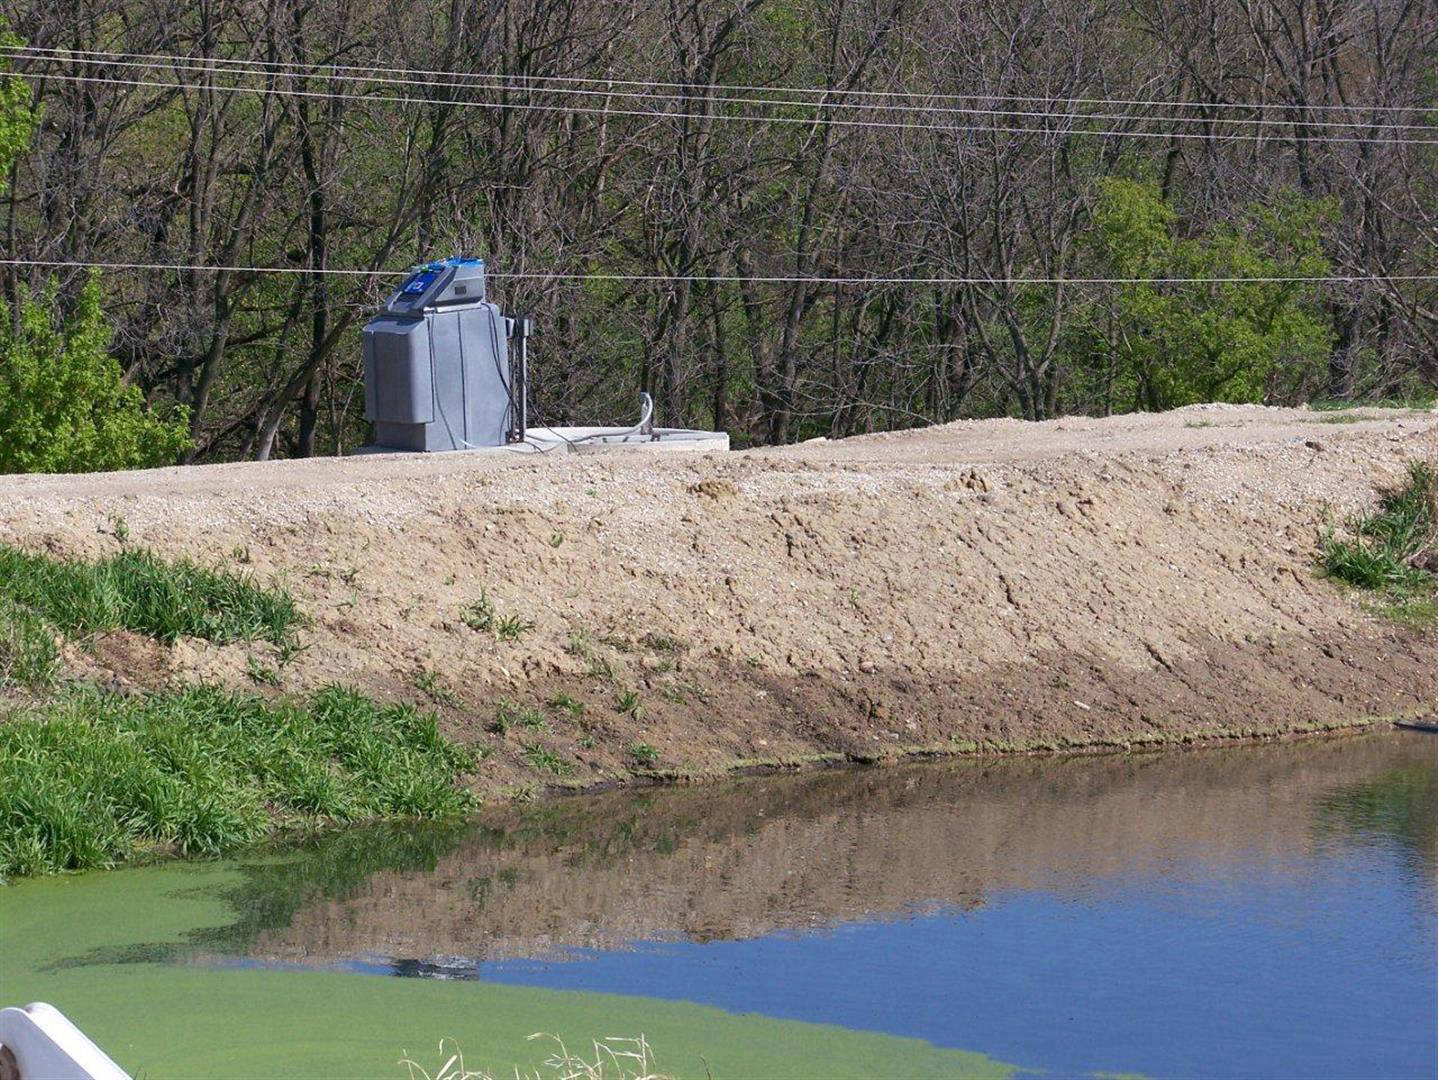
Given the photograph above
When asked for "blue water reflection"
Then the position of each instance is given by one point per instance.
(1322, 967)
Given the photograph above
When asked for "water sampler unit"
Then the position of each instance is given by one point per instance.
(438, 376)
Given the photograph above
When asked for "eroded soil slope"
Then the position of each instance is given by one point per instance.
(1079, 582)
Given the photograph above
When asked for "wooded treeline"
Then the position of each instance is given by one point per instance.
(982, 140)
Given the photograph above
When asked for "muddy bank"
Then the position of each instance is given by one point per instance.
(989, 584)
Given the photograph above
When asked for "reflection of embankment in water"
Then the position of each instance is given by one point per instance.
(800, 851)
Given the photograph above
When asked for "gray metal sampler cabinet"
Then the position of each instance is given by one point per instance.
(437, 374)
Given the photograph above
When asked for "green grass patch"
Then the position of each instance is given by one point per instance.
(139, 591)
(96, 778)
(1385, 546)
(29, 655)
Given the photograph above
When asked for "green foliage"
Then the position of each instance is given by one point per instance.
(137, 590)
(1383, 552)
(64, 403)
(17, 119)
(1169, 345)
(95, 778)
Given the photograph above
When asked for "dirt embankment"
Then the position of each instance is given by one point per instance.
(995, 583)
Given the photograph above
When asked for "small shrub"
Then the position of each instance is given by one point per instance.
(67, 404)
(628, 703)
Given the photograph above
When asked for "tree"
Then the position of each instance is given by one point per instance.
(64, 405)
(1173, 344)
(16, 118)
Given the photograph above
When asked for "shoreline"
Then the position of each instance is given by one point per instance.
(908, 755)
(1084, 585)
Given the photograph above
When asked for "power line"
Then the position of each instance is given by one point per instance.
(501, 83)
(654, 114)
(724, 279)
(404, 74)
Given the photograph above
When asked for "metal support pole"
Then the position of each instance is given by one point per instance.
(526, 325)
(520, 327)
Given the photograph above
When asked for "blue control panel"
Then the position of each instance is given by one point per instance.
(443, 282)
(419, 282)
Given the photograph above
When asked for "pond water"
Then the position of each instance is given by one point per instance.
(1268, 910)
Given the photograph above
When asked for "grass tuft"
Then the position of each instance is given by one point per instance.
(509, 714)
(433, 687)
(512, 628)
(482, 615)
(565, 703)
(1389, 549)
(96, 778)
(644, 754)
(538, 756)
(614, 1059)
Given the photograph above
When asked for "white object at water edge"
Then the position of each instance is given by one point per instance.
(38, 1042)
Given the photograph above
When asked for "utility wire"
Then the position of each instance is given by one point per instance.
(655, 114)
(563, 275)
(498, 83)
(691, 89)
